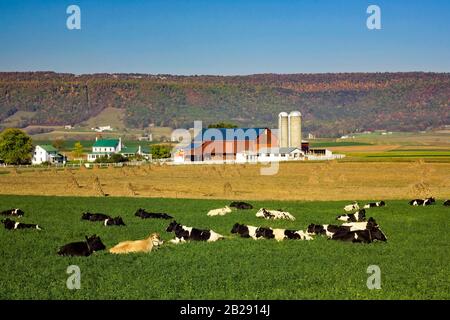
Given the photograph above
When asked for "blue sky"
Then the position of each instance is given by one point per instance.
(225, 36)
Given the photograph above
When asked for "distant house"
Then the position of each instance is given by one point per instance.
(102, 129)
(146, 137)
(107, 147)
(68, 127)
(47, 153)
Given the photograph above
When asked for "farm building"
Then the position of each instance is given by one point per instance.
(107, 147)
(47, 153)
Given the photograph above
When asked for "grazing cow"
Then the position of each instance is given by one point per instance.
(351, 207)
(374, 204)
(365, 236)
(245, 231)
(117, 221)
(219, 212)
(281, 234)
(447, 203)
(82, 248)
(11, 224)
(95, 216)
(241, 205)
(145, 245)
(422, 202)
(13, 212)
(183, 233)
(274, 214)
(153, 215)
(359, 215)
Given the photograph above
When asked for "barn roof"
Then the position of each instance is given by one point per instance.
(48, 147)
(106, 143)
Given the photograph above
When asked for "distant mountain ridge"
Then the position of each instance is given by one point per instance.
(331, 103)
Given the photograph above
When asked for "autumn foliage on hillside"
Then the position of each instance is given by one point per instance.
(331, 104)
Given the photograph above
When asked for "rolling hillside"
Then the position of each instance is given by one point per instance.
(331, 104)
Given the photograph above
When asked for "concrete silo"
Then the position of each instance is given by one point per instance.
(295, 129)
(283, 130)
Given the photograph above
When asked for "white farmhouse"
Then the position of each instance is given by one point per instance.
(47, 153)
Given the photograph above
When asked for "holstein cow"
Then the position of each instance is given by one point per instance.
(422, 202)
(351, 207)
(281, 234)
(274, 214)
(152, 215)
(82, 248)
(117, 221)
(219, 212)
(359, 215)
(447, 203)
(374, 204)
(354, 226)
(241, 205)
(365, 236)
(95, 216)
(183, 233)
(245, 231)
(145, 245)
(13, 212)
(325, 229)
(12, 225)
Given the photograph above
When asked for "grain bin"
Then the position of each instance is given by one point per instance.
(295, 129)
(283, 129)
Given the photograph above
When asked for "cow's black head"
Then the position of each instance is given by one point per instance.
(382, 204)
(95, 243)
(235, 228)
(139, 212)
(377, 234)
(172, 226)
(9, 224)
(86, 216)
(19, 213)
(431, 200)
(118, 221)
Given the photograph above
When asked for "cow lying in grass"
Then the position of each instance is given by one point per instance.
(151, 215)
(274, 214)
(145, 245)
(282, 234)
(241, 205)
(13, 212)
(422, 202)
(374, 204)
(219, 212)
(359, 215)
(447, 203)
(82, 248)
(13, 225)
(117, 221)
(365, 236)
(351, 207)
(183, 233)
(245, 231)
(329, 230)
(95, 216)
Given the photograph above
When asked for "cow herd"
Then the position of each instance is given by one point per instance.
(355, 228)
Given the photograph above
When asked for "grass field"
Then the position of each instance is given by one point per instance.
(414, 263)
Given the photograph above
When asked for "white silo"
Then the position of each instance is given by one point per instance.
(295, 129)
(283, 129)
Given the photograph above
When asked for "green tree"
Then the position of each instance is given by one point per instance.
(78, 150)
(160, 151)
(58, 143)
(16, 146)
(222, 125)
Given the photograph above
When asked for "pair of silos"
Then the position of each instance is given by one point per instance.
(290, 129)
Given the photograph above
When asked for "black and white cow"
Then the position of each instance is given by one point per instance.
(142, 213)
(82, 248)
(183, 233)
(364, 236)
(422, 202)
(117, 221)
(12, 225)
(325, 229)
(281, 234)
(274, 214)
(447, 203)
(351, 207)
(13, 212)
(95, 216)
(241, 205)
(374, 204)
(245, 231)
(359, 215)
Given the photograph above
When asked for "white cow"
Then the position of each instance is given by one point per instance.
(219, 212)
(274, 214)
(351, 207)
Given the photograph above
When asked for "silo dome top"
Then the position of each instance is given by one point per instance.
(295, 114)
(283, 114)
